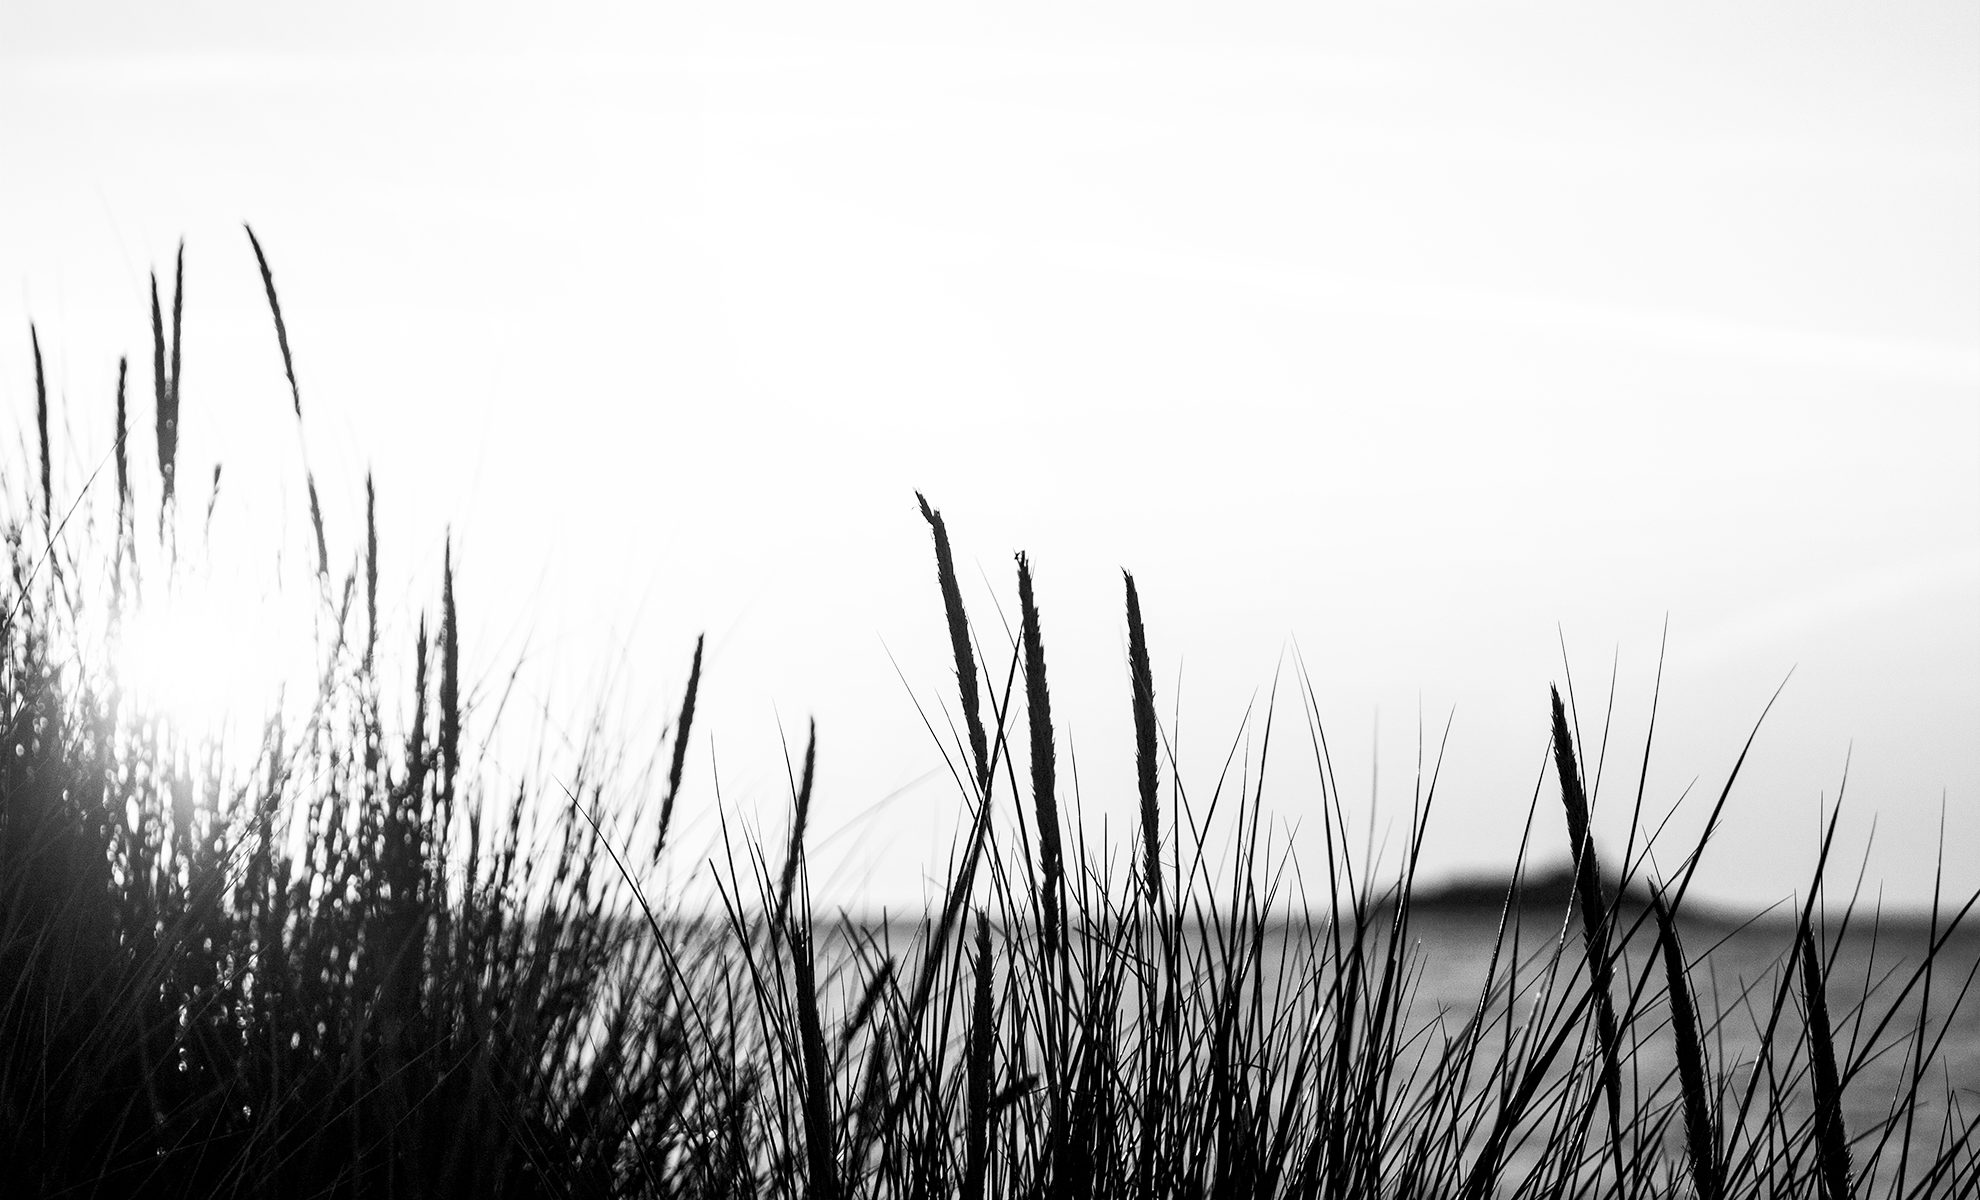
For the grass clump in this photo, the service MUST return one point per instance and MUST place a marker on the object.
(360, 960)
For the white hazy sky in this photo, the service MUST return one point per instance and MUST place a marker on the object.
(1404, 333)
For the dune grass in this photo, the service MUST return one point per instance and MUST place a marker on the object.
(365, 963)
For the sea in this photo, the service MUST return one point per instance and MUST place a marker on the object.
(1883, 1006)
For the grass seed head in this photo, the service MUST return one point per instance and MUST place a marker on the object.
(1594, 912)
(679, 764)
(959, 645)
(1044, 767)
(1701, 1134)
(1147, 773)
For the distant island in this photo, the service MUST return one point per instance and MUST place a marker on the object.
(1547, 891)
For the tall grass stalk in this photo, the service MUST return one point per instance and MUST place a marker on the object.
(41, 437)
(1594, 911)
(982, 1044)
(295, 396)
(965, 657)
(1701, 1133)
(682, 726)
(1146, 769)
(800, 817)
(1044, 767)
(165, 382)
(963, 877)
(823, 1181)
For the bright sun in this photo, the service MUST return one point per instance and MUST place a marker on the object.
(210, 659)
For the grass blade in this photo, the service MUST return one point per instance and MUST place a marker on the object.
(1831, 1137)
(275, 310)
(820, 1154)
(982, 1035)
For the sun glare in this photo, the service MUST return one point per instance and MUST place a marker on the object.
(210, 660)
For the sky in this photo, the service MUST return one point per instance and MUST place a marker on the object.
(1392, 349)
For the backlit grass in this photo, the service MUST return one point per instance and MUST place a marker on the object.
(353, 960)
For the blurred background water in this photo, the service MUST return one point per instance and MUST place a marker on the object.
(1875, 994)
(1736, 973)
